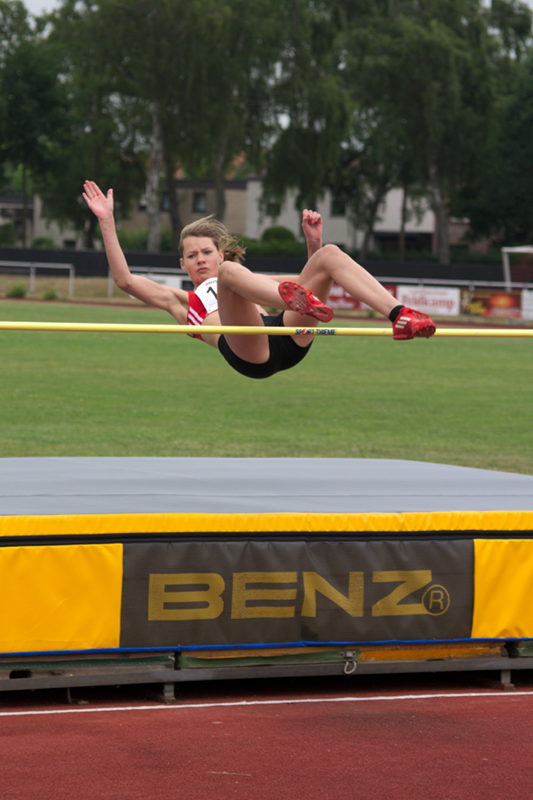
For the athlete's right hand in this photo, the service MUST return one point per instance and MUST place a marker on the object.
(100, 204)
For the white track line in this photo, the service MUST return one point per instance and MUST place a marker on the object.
(287, 702)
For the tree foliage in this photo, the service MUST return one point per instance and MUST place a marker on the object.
(311, 103)
(32, 115)
(499, 202)
(357, 96)
(423, 70)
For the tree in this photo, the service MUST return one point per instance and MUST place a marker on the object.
(193, 73)
(369, 169)
(425, 70)
(500, 203)
(34, 111)
(512, 20)
(98, 139)
(14, 30)
(152, 87)
(15, 27)
(145, 45)
(311, 104)
(232, 70)
(153, 185)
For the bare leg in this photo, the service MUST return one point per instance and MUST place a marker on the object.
(242, 289)
(330, 264)
(249, 285)
(236, 309)
(239, 292)
(239, 289)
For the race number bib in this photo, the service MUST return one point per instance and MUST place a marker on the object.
(207, 292)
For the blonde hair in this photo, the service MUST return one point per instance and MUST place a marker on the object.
(218, 233)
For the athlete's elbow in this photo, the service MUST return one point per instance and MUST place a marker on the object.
(123, 282)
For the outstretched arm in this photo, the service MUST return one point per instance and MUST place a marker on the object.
(172, 300)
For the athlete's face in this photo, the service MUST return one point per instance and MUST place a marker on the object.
(201, 258)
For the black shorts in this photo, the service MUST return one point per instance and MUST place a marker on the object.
(284, 353)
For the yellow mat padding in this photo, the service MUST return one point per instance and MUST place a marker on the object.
(64, 597)
(503, 582)
(408, 522)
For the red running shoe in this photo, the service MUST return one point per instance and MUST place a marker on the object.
(303, 301)
(410, 323)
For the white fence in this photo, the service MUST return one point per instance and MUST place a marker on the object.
(33, 266)
(166, 276)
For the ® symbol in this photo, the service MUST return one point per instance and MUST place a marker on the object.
(436, 600)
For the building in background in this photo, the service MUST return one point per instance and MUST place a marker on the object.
(12, 215)
(246, 216)
(339, 229)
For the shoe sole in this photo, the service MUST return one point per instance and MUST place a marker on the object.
(424, 332)
(302, 301)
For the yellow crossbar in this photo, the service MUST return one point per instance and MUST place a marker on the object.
(104, 327)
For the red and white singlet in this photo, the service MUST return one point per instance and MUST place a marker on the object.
(202, 301)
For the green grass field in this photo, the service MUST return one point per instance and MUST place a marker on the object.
(456, 401)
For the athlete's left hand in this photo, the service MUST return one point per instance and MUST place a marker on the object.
(312, 228)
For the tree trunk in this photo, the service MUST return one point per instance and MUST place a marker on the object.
(403, 220)
(372, 211)
(153, 201)
(365, 243)
(24, 238)
(218, 178)
(173, 202)
(89, 232)
(440, 209)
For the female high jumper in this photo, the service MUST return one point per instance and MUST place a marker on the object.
(227, 293)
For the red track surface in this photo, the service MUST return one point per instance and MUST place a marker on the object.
(407, 739)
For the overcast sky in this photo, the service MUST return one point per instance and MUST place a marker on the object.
(38, 6)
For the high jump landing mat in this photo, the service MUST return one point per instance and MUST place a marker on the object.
(129, 570)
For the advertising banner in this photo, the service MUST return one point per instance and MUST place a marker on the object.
(244, 592)
(339, 299)
(430, 300)
(491, 303)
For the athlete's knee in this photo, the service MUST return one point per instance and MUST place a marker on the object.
(325, 254)
(226, 268)
(329, 251)
(227, 272)
(325, 259)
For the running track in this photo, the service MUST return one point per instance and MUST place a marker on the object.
(393, 738)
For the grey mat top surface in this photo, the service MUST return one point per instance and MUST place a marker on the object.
(36, 486)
